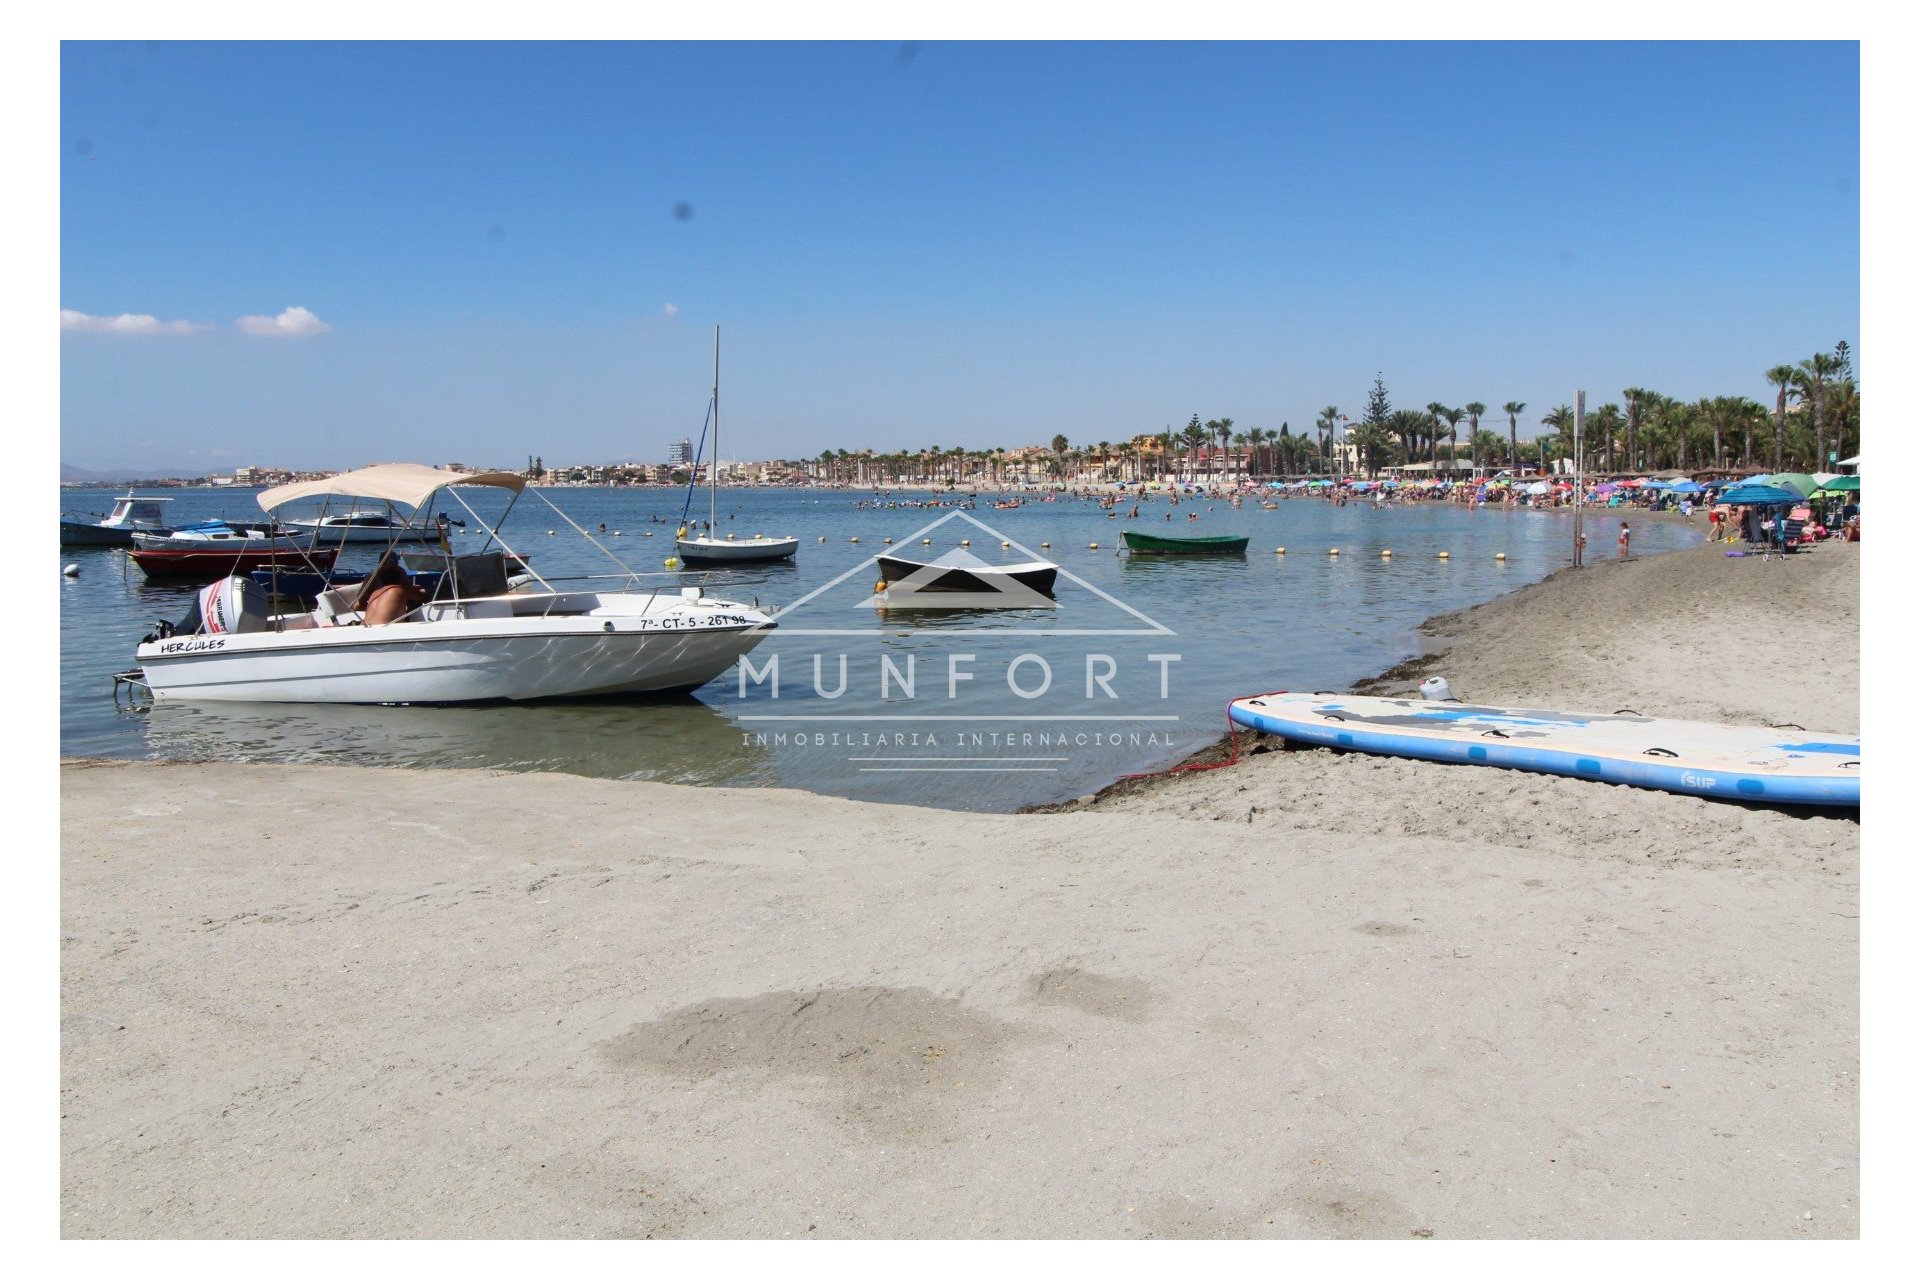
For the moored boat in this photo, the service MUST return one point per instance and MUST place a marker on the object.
(1156, 544)
(372, 527)
(479, 636)
(959, 574)
(695, 547)
(206, 563)
(130, 515)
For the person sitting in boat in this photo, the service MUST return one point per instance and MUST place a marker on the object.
(388, 594)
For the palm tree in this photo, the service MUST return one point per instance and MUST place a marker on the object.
(1781, 376)
(1453, 417)
(1330, 419)
(1374, 443)
(1560, 418)
(1474, 410)
(1223, 427)
(1194, 435)
(1513, 409)
(1636, 405)
(1813, 375)
(1435, 412)
(1485, 444)
(1410, 427)
(1606, 422)
(1256, 436)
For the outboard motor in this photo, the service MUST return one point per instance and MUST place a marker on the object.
(231, 605)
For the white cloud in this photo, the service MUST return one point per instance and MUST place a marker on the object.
(294, 322)
(669, 311)
(81, 322)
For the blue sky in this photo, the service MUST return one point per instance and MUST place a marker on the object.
(505, 249)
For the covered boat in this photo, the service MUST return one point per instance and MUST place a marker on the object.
(477, 636)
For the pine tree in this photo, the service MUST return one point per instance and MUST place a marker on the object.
(1378, 406)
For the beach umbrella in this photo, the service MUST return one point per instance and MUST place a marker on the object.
(1750, 494)
(1798, 481)
(1537, 488)
(1686, 486)
(1842, 484)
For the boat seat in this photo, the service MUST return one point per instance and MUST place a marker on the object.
(481, 574)
(334, 606)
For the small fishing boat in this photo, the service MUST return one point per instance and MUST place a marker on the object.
(1157, 544)
(960, 579)
(130, 515)
(481, 635)
(694, 546)
(206, 563)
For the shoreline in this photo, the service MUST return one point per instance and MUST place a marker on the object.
(1402, 679)
(1312, 996)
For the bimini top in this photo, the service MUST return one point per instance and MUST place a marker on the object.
(407, 483)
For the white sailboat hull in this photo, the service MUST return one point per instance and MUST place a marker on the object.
(501, 649)
(735, 550)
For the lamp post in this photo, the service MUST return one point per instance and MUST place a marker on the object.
(1579, 490)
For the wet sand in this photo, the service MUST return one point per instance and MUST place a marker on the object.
(1311, 995)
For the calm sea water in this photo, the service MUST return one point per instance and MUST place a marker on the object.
(966, 710)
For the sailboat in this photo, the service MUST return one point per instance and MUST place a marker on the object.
(696, 547)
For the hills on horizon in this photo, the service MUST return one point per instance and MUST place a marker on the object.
(128, 475)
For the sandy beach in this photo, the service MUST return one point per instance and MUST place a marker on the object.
(1308, 996)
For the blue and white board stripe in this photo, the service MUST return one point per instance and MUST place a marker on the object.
(1718, 761)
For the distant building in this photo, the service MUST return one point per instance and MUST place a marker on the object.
(680, 453)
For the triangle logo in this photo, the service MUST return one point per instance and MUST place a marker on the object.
(959, 580)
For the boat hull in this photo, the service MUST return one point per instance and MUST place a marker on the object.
(220, 562)
(327, 535)
(730, 551)
(894, 571)
(74, 533)
(1152, 544)
(460, 660)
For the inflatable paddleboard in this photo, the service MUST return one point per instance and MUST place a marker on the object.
(1730, 762)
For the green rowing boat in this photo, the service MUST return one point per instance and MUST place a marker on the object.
(1154, 544)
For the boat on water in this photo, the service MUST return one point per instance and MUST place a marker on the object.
(478, 636)
(375, 527)
(291, 582)
(959, 579)
(217, 559)
(221, 535)
(704, 546)
(130, 515)
(1158, 544)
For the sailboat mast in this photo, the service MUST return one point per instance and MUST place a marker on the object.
(713, 467)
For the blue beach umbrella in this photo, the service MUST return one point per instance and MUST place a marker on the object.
(1759, 495)
(1685, 486)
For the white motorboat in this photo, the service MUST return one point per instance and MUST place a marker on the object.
(479, 638)
(218, 535)
(707, 547)
(130, 515)
(376, 527)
